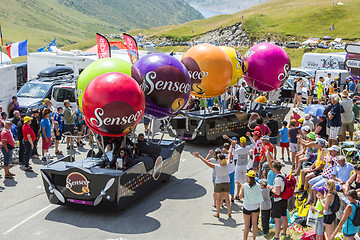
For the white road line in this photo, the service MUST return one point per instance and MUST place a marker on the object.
(26, 219)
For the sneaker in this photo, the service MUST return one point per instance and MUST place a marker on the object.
(282, 159)
(274, 238)
(262, 233)
(35, 156)
(283, 235)
(288, 159)
(302, 197)
(27, 169)
(299, 191)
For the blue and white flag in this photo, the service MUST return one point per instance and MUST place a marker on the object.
(48, 48)
(17, 49)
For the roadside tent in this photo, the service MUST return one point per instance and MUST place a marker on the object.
(338, 40)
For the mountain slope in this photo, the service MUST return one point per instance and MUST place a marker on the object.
(299, 18)
(75, 20)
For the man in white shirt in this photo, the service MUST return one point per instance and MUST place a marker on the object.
(243, 93)
(327, 81)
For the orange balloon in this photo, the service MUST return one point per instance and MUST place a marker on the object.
(210, 70)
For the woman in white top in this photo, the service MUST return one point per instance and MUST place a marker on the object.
(222, 180)
(251, 192)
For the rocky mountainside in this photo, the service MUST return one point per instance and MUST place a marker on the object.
(213, 7)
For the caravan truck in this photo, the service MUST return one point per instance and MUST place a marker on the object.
(7, 85)
(324, 60)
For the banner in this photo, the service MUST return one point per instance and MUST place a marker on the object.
(17, 49)
(1, 37)
(131, 47)
(48, 48)
(103, 46)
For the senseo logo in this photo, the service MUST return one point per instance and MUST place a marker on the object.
(283, 76)
(77, 183)
(198, 75)
(161, 85)
(157, 168)
(98, 121)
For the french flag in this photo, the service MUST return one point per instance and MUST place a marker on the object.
(17, 49)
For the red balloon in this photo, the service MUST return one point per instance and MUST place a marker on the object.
(113, 104)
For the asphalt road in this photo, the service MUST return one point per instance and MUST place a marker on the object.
(178, 209)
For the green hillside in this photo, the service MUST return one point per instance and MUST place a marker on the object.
(299, 18)
(73, 21)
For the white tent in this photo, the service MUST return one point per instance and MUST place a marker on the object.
(4, 59)
(338, 40)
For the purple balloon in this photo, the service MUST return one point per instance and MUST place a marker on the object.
(354, 72)
(267, 67)
(167, 84)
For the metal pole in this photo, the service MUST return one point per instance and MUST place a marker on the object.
(150, 124)
(165, 129)
(99, 145)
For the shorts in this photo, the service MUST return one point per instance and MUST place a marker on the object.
(329, 219)
(279, 208)
(58, 138)
(334, 132)
(7, 156)
(69, 128)
(79, 127)
(222, 187)
(240, 174)
(284, 145)
(318, 172)
(274, 140)
(293, 147)
(299, 94)
(256, 164)
(347, 127)
(319, 226)
(46, 144)
(318, 181)
(348, 235)
(246, 212)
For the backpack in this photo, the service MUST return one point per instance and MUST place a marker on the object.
(336, 204)
(290, 185)
(356, 219)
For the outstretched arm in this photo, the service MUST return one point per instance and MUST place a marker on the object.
(196, 154)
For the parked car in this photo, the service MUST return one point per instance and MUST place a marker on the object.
(32, 93)
(293, 44)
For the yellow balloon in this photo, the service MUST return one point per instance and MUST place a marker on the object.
(237, 64)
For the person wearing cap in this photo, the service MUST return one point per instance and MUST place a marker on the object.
(319, 225)
(295, 116)
(222, 179)
(265, 207)
(45, 133)
(352, 86)
(356, 110)
(7, 147)
(257, 150)
(308, 153)
(330, 158)
(314, 170)
(280, 205)
(29, 138)
(251, 193)
(347, 117)
(241, 153)
(308, 122)
(320, 89)
(273, 125)
(14, 105)
(334, 120)
(20, 138)
(35, 125)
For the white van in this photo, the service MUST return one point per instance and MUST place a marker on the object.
(324, 60)
(7, 85)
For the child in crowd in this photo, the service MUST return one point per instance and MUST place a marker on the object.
(319, 227)
(293, 131)
(265, 207)
(284, 140)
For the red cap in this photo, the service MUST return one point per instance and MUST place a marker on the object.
(257, 133)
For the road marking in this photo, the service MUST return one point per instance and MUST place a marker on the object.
(26, 219)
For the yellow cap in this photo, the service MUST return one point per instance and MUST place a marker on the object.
(301, 120)
(243, 139)
(251, 173)
(45, 100)
(26, 119)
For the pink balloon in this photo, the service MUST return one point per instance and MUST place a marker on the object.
(267, 67)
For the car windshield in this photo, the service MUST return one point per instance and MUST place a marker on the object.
(34, 90)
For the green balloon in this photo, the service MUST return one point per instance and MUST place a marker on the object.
(97, 68)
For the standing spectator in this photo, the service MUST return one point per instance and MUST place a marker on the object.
(327, 82)
(334, 120)
(29, 138)
(16, 118)
(284, 140)
(243, 93)
(251, 192)
(257, 150)
(69, 120)
(300, 83)
(352, 85)
(308, 122)
(273, 125)
(3, 119)
(293, 132)
(14, 105)
(20, 138)
(265, 207)
(7, 147)
(356, 109)
(225, 151)
(45, 133)
(58, 125)
(310, 90)
(336, 85)
(348, 228)
(320, 89)
(319, 226)
(295, 116)
(347, 117)
(279, 206)
(321, 128)
(35, 125)
(79, 126)
(261, 127)
(326, 202)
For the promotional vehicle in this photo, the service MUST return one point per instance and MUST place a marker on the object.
(323, 60)
(8, 85)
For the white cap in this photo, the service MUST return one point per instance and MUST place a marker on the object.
(334, 148)
(296, 110)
